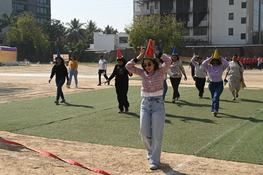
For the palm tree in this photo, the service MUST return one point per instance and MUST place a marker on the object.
(75, 33)
(7, 20)
(110, 30)
(91, 27)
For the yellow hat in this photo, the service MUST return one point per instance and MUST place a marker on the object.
(216, 56)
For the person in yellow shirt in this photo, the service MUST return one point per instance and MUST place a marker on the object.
(73, 71)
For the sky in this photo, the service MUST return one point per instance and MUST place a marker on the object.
(115, 13)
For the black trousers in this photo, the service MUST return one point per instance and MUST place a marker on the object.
(175, 84)
(200, 84)
(121, 91)
(104, 74)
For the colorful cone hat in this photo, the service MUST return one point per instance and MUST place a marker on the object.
(216, 56)
(175, 51)
(58, 53)
(119, 55)
(149, 51)
(157, 49)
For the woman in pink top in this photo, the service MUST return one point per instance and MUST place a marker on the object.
(215, 67)
(152, 113)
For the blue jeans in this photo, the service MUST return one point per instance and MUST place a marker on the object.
(73, 72)
(152, 118)
(60, 82)
(216, 89)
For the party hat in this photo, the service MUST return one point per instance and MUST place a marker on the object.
(215, 56)
(149, 51)
(175, 51)
(119, 55)
(157, 49)
(58, 53)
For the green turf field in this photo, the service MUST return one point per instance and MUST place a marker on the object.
(190, 128)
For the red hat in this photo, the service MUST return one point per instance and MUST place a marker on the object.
(149, 51)
(119, 55)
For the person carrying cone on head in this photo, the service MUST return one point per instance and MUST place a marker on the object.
(121, 82)
(152, 112)
(176, 71)
(215, 67)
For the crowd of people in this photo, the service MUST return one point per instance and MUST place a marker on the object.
(154, 68)
(249, 62)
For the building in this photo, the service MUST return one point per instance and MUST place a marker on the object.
(40, 8)
(108, 42)
(212, 22)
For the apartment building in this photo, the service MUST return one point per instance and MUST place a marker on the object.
(40, 8)
(211, 22)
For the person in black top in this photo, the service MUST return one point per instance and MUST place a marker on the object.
(61, 73)
(121, 82)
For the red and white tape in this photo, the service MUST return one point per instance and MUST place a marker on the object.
(52, 155)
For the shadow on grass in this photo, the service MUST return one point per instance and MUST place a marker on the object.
(10, 147)
(133, 114)
(186, 119)
(243, 118)
(75, 105)
(167, 169)
(180, 103)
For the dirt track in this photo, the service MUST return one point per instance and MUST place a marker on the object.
(32, 82)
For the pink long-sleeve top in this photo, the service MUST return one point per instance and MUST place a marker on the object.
(152, 83)
(215, 72)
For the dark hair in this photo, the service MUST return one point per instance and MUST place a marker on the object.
(62, 60)
(216, 60)
(101, 55)
(73, 57)
(123, 60)
(156, 65)
(176, 57)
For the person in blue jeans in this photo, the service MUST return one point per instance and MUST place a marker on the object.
(60, 70)
(215, 67)
(152, 112)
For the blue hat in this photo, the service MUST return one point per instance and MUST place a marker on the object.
(58, 53)
(156, 48)
(175, 51)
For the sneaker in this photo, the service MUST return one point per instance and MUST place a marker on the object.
(233, 98)
(126, 110)
(236, 95)
(98, 84)
(173, 100)
(149, 155)
(177, 98)
(68, 86)
(120, 111)
(215, 113)
(200, 97)
(63, 101)
(76, 86)
(153, 166)
(56, 102)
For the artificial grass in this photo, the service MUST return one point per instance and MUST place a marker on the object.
(190, 128)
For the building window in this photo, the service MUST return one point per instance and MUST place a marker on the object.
(156, 5)
(123, 40)
(42, 10)
(148, 5)
(244, 5)
(230, 31)
(231, 16)
(1, 42)
(200, 31)
(19, 7)
(231, 2)
(45, 2)
(243, 20)
(243, 36)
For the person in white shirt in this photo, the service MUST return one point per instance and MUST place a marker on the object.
(102, 69)
(200, 74)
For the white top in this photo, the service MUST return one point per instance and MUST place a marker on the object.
(102, 64)
(200, 71)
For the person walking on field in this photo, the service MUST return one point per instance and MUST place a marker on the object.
(73, 71)
(235, 76)
(121, 82)
(200, 74)
(61, 72)
(176, 70)
(102, 69)
(215, 67)
(152, 112)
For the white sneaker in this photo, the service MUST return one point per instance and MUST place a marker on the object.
(76, 86)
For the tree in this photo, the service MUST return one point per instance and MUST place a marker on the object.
(91, 27)
(6, 20)
(164, 29)
(75, 32)
(110, 30)
(27, 36)
(56, 33)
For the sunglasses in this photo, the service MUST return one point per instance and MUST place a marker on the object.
(147, 65)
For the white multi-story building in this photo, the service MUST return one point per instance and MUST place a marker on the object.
(211, 22)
